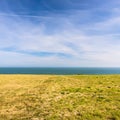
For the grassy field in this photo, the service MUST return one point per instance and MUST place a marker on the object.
(52, 97)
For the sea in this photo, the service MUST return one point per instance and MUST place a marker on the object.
(60, 70)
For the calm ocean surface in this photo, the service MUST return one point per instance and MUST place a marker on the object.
(60, 71)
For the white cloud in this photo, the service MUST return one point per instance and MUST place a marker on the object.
(86, 49)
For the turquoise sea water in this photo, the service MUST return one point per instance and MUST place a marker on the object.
(60, 71)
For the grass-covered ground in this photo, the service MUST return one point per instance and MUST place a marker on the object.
(51, 97)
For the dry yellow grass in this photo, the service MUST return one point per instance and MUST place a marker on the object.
(52, 97)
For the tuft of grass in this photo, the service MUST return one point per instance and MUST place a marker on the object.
(59, 97)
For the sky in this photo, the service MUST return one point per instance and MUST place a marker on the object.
(59, 33)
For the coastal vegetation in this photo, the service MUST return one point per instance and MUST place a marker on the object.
(59, 97)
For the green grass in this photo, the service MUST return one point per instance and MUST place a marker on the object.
(52, 97)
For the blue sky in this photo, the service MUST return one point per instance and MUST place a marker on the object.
(63, 33)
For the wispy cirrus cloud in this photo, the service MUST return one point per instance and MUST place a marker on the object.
(73, 37)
